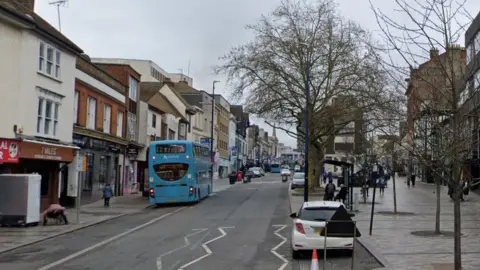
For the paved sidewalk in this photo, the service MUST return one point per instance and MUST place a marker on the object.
(392, 241)
(90, 214)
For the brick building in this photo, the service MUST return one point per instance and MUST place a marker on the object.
(99, 130)
(134, 169)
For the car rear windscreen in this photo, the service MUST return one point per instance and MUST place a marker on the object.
(171, 171)
(317, 213)
(170, 149)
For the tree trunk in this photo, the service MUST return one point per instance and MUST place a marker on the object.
(319, 166)
(437, 212)
(394, 193)
(457, 228)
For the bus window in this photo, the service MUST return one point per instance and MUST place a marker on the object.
(171, 171)
(170, 149)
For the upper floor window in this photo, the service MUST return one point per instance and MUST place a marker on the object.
(154, 120)
(133, 91)
(470, 52)
(120, 124)
(107, 118)
(91, 112)
(49, 60)
(48, 113)
(476, 44)
(132, 126)
(76, 102)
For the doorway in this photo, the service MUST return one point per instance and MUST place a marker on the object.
(64, 199)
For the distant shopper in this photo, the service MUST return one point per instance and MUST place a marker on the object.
(54, 211)
(381, 185)
(330, 191)
(107, 194)
(342, 194)
(466, 188)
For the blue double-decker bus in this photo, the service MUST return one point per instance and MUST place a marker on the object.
(275, 168)
(179, 171)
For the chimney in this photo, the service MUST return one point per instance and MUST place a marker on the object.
(433, 53)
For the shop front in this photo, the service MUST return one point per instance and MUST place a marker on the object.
(104, 160)
(133, 173)
(45, 158)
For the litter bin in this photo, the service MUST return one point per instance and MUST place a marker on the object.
(232, 178)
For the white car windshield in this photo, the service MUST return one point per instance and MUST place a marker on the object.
(317, 213)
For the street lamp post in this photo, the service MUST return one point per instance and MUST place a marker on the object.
(307, 140)
(211, 126)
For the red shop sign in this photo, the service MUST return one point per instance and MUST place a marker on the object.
(9, 151)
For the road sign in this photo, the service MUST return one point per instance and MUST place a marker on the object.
(81, 163)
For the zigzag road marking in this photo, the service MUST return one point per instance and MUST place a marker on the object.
(187, 243)
(207, 249)
(274, 250)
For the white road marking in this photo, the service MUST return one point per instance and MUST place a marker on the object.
(187, 243)
(274, 250)
(204, 245)
(107, 241)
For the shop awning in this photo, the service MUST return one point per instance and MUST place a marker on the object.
(44, 150)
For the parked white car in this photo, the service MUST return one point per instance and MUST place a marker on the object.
(309, 224)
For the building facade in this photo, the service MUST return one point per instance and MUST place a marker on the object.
(232, 144)
(37, 70)
(201, 101)
(134, 165)
(99, 130)
(428, 102)
(469, 98)
(222, 123)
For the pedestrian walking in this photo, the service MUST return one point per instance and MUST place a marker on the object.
(330, 191)
(413, 178)
(342, 194)
(466, 189)
(107, 194)
(381, 185)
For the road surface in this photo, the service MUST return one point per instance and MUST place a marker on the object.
(246, 226)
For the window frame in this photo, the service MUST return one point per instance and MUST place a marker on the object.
(76, 105)
(45, 63)
(133, 88)
(45, 97)
(107, 120)
(88, 123)
(121, 116)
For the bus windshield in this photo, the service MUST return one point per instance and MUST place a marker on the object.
(170, 171)
(170, 149)
(275, 166)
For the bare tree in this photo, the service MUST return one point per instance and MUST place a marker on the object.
(300, 45)
(423, 46)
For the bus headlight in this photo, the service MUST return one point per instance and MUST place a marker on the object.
(152, 193)
(191, 190)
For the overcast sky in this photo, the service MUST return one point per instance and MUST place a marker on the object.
(173, 33)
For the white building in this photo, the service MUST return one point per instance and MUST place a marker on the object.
(177, 125)
(37, 71)
(232, 144)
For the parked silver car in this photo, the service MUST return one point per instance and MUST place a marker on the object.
(298, 180)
